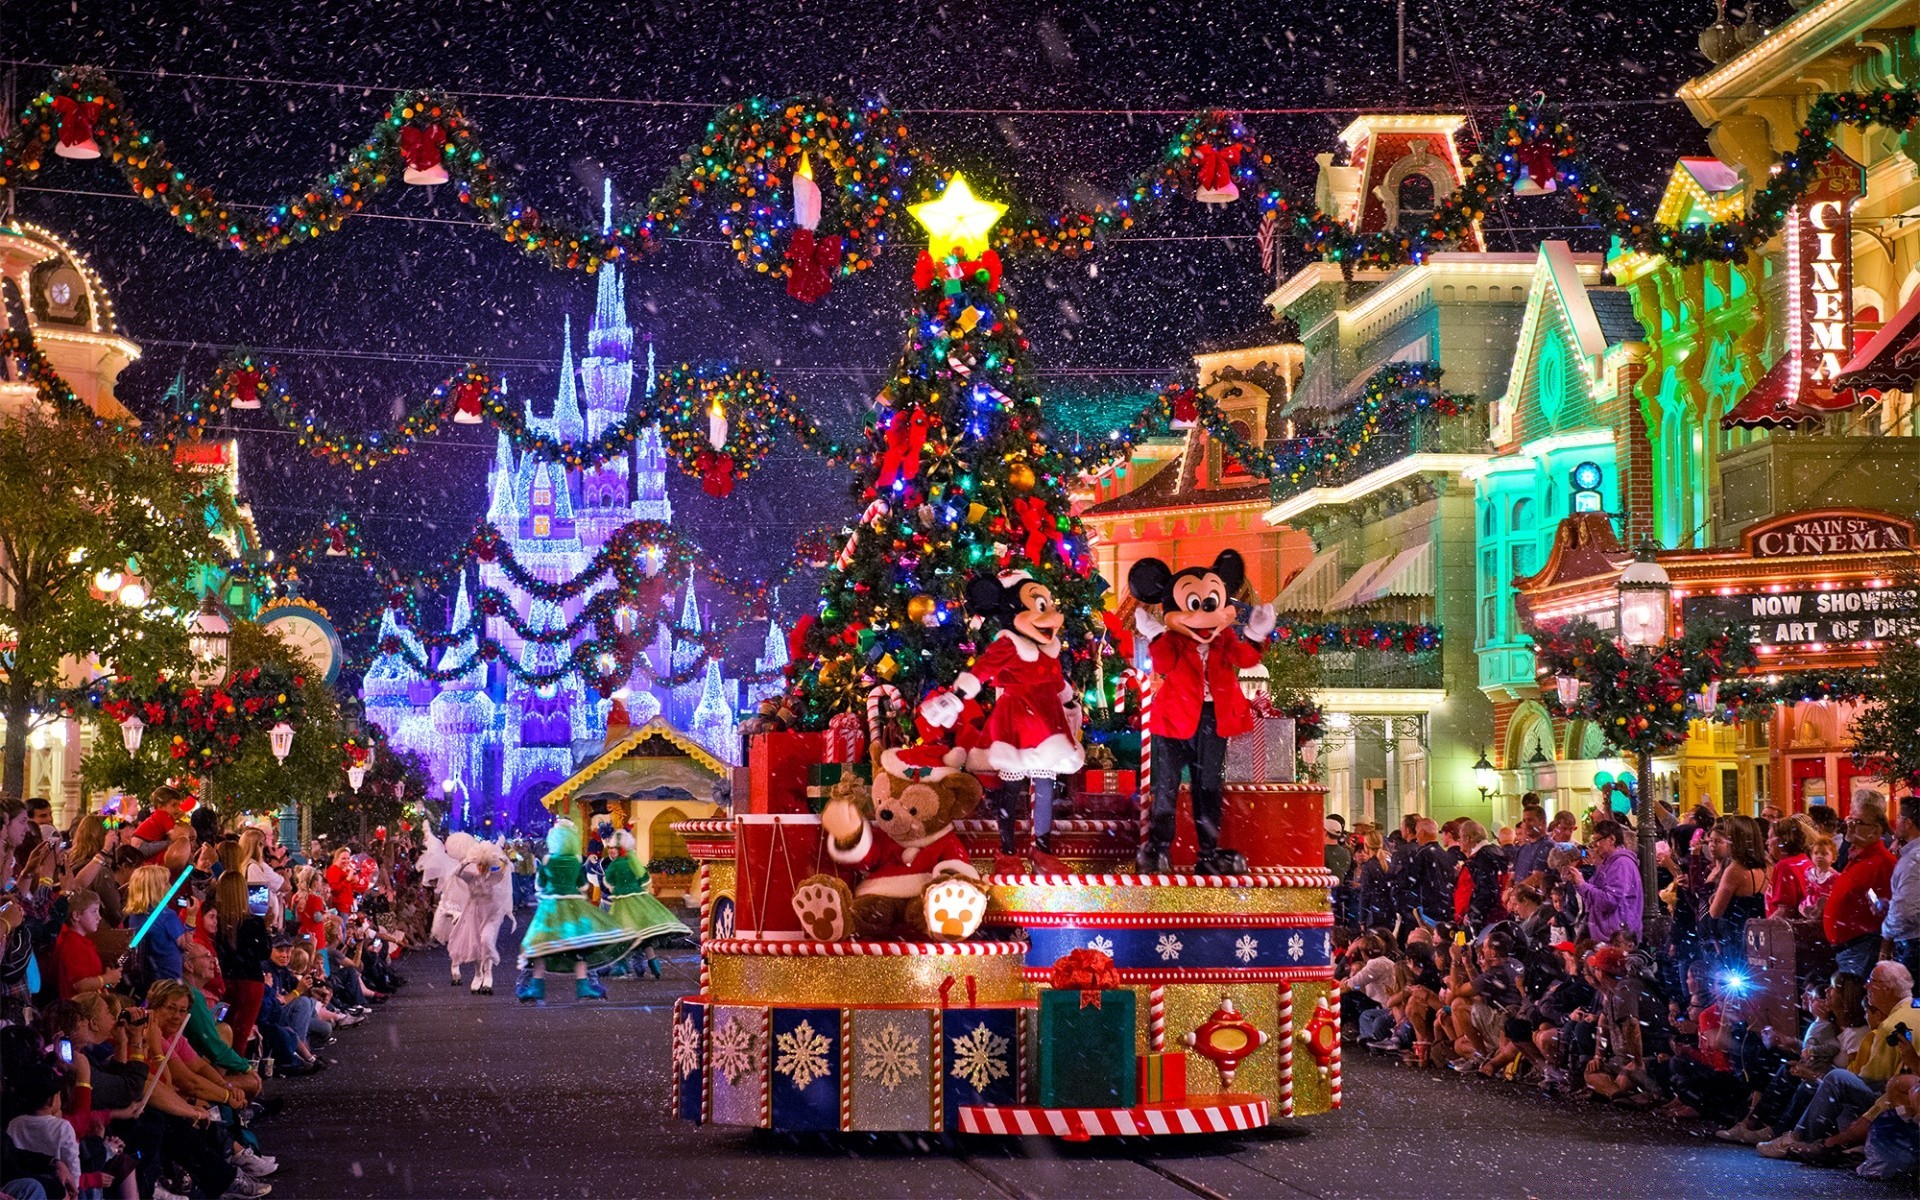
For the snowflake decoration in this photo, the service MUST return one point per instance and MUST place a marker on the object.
(891, 1056)
(686, 1048)
(1296, 946)
(1103, 944)
(723, 919)
(803, 1054)
(980, 1057)
(1246, 949)
(1168, 948)
(733, 1048)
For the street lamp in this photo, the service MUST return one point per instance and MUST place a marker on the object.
(1484, 776)
(208, 638)
(1646, 615)
(356, 775)
(280, 740)
(131, 731)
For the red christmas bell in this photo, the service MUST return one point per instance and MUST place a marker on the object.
(466, 402)
(76, 127)
(246, 389)
(421, 148)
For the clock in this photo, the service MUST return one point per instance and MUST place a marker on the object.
(308, 632)
(1586, 476)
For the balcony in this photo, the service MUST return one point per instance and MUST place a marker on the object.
(1376, 670)
(1465, 433)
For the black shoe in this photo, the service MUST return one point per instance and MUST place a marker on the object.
(1152, 861)
(1221, 861)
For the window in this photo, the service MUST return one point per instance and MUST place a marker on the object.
(542, 526)
(1523, 515)
(1489, 521)
(542, 497)
(1523, 558)
(1490, 569)
(1416, 201)
(1552, 382)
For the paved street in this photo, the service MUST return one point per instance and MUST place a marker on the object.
(446, 1094)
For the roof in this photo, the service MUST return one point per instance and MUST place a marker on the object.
(634, 739)
(1613, 308)
(1891, 358)
(1164, 491)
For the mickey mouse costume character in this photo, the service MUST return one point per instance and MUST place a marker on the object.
(1198, 704)
(1033, 732)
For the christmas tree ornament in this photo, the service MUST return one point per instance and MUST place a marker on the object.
(1020, 477)
(921, 608)
(957, 221)
(422, 150)
(76, 119)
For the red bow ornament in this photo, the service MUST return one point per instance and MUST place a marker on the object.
(421, 148)
(1216, 175)
(1538, 175)
(466, 402)
(1186, 408)
(716, 472)
(812, 263)
(1036, 525)
(246, 389)
(76, 127)
(336, 542)
(906, 438)
(1088, 972)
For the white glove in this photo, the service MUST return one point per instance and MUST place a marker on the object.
(1150, 626)
(1260, 622)
(942, 708)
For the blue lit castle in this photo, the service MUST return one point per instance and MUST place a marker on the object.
(502, 742)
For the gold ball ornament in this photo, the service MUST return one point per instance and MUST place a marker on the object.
(920, 608)
(1020, 477)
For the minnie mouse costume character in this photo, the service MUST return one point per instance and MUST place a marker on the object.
(1033, 732)
(1198, 704)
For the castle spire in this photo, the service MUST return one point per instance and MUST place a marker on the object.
(567, 424)
(690, 610)
(501, 511)
(606, 207)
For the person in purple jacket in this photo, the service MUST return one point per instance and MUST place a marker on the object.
(1612, 898)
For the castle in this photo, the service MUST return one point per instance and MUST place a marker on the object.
(496, 742)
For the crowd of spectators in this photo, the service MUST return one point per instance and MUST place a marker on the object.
(160, 977)
(1531, 956)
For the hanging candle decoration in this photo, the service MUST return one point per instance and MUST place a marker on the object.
(717, 425)
(806, 196)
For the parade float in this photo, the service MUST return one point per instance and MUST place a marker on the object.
(941, 901)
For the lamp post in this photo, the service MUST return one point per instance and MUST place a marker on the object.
(208, 639)
(1485, 778)
(1646, 617)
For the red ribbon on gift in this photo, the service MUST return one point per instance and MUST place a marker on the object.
(846, 739)
(1263, 706)
(1088, 972)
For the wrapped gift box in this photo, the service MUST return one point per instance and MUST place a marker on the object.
(1087, 1052)
(1163, 1078)
(1264, 755)
(777, 772)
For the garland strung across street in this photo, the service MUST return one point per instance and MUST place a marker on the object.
(807, 189)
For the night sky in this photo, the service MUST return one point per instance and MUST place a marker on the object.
(367, 320)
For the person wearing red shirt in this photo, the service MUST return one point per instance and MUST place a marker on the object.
(76, 964)
(1852, 918)
(342, 881)
(1787, 880)
(153, 834)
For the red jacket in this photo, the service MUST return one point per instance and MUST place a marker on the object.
(1178, 695)
(1849, 913)
(902, 871)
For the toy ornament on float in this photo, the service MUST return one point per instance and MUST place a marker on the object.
(877, 952)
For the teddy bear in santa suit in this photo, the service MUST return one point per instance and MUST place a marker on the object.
(1033, 732)
(1197, 702)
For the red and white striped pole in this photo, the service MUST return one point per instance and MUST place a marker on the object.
(1157, 1018)
(1146, 757)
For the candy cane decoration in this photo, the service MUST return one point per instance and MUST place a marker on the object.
(1333, 1067)
(937, 1072)
(1146, 757)
(702, 882)
(966, 372)
(1284, 1043)
(766, 1068)
(846, 1068)
(1157, 1018)
(878, 700)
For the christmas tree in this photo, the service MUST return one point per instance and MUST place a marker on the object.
(958, 480)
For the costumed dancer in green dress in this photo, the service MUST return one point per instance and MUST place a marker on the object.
(635, 910)
(566, 928)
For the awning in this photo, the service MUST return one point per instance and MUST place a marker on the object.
(1777, 400)
(1409, 574)
(1312, 587)
(1359, 579)
(1891, 358)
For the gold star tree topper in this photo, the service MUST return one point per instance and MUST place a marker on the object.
(957, 220)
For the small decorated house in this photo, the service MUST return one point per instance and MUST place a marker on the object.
(645, 779)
